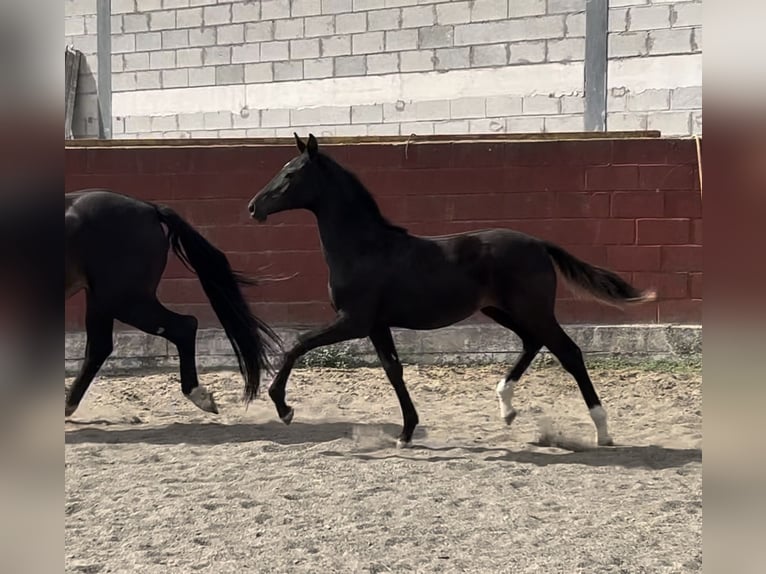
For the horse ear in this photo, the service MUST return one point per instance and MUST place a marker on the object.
(299, 143)
(313, 146)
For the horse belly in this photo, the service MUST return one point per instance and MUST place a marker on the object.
(432, 305)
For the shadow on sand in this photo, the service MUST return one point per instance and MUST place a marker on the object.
(652, 457)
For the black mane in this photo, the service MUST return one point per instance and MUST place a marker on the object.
(359, 194)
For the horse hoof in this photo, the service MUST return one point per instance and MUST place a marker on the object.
(288, 418)
(401, 443)
(509, 417)
(69, 410)
(606, 441)
(203, 399)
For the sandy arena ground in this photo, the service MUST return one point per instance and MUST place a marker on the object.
(154, 485)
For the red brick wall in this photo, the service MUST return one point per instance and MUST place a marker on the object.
(632, 205)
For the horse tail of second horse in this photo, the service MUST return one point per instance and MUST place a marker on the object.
(601, 284)
(252, 339)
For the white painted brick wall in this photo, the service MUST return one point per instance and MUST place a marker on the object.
(202, 44)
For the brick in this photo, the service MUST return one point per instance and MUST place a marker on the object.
(621, 3)
(367, 114)
(136, 61)
(498, 106)
(686, 98)
(217, 120)
(560, 124)
(416, 128)
(523, 125)
(148, 80)
(303, 49)
(633, 258)
(628, 44)
(329, 115)
(452, 127)
(537, 105)
(382, 63)
(671, 123)
(686, 14)
(482, 33)
(368, 43)
(173, 3)
(173, 39)
(202, 37)
(246, 54)
(288, 29)
(667, 285)
(246, 118)
(575, 24)
(401, 40)
(319, 26)
(467, 108)
(491, 55)
(306, 8)
(637, 204)
(590, 205)
(336, 6)
(626, 122)
(304, 117)
(566, 50)
(527, 52)
(435, 37)
(572, 104)
(680, 311)
(232, 34)
(162, 60)
(418, 17)
(216, 55)
(74, 26)
(649, 18)
(453, 13)
(612, 178)
(352, 23)
(146, 41)
(521, 8)
(674, 41)
(318, 68)
(681, 258)
(118, 7)
(565, 6)
(217, 15)
(683, 204)
(162, 20)
(485, 126)
(189, 57)
(124, 82)
(175, 78)
(617, 100)
(649, 100)
(122, 43)
(618, 20)
(417, 61)
(138, 124)
(274, 51)
(80, 7)
(662, 231)
(164, 123)
(350, 66)
(259, 73)
(232, 74)
(483, 10)
(146, 6)
(191, 121)
(695, 285)
(288, 71)
(201, 76)
(118, 63)
(245, 12)
(364, 5)
(668, 177)
(383, 129)
(452, 58)
(336, 46)
(135, 23)
(544, 27)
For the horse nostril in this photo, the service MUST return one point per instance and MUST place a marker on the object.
(251, 207)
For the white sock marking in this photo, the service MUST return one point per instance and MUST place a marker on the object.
(598, 414)
(203, 398)
(505, 396)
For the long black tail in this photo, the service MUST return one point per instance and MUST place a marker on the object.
(252, 339)
(602, 284)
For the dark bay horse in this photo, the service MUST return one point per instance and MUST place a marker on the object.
(117, 249)
(382, 277)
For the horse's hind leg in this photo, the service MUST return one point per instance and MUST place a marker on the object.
(570, 357)
(384, 345)
(530, 347)
(98, 327)
(153, 318)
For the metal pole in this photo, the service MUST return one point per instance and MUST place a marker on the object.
(596, 55)
(104, 52)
